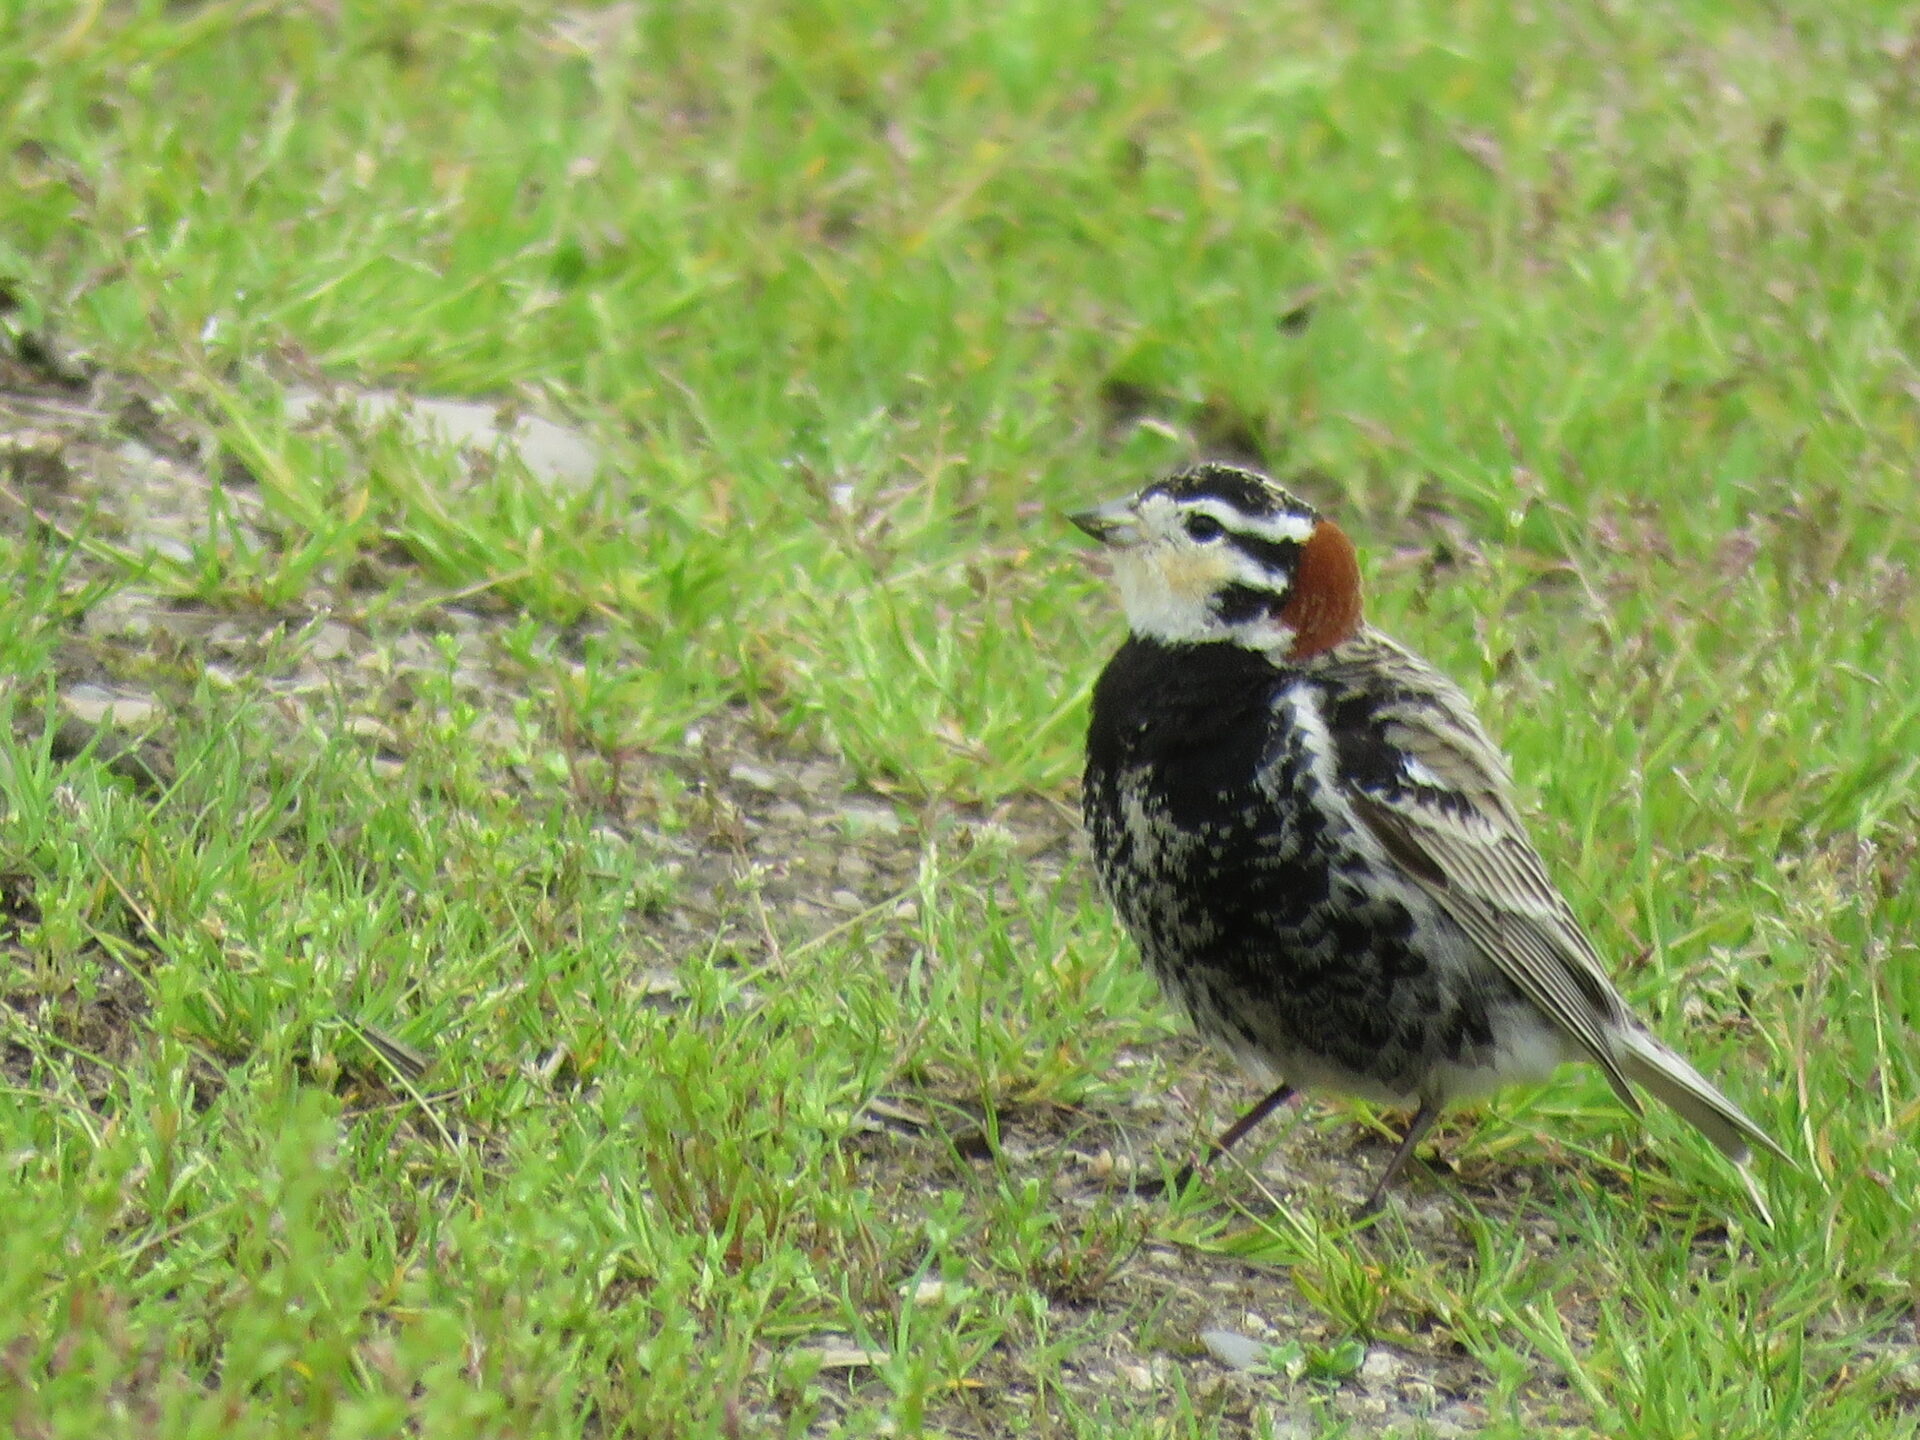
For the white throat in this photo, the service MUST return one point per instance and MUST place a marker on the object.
(1159, 607)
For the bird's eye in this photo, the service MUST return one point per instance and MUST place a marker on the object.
(1204, 527)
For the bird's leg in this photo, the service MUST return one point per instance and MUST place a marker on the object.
(1423, 1119)
(1237, 1131)
(1229, 1137)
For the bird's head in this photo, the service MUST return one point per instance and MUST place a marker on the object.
(1216, 553)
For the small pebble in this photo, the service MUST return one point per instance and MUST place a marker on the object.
(1234, 1350)
(867, 818)
(97, 705)
(752, 776)
(1380, 1367)
(330, 641)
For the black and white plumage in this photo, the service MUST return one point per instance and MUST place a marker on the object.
(1314, 842)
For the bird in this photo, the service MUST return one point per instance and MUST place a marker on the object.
(1315, 844)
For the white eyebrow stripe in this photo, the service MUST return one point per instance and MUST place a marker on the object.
(1284, 526)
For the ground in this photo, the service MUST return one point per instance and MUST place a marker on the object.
(540, 884)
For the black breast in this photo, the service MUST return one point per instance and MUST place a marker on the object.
(1196, 718)
(1247, 896)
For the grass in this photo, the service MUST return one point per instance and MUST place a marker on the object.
(711, 826)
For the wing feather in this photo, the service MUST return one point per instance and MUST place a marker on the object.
(1537, 949)
(1421, 776)
(1463, 843)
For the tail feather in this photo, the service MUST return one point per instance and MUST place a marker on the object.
(1673, 1081)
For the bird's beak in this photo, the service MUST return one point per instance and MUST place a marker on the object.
(1111, 524)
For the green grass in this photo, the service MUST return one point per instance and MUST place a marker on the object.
(1595, 325)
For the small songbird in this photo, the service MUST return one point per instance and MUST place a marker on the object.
(1314, 843)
